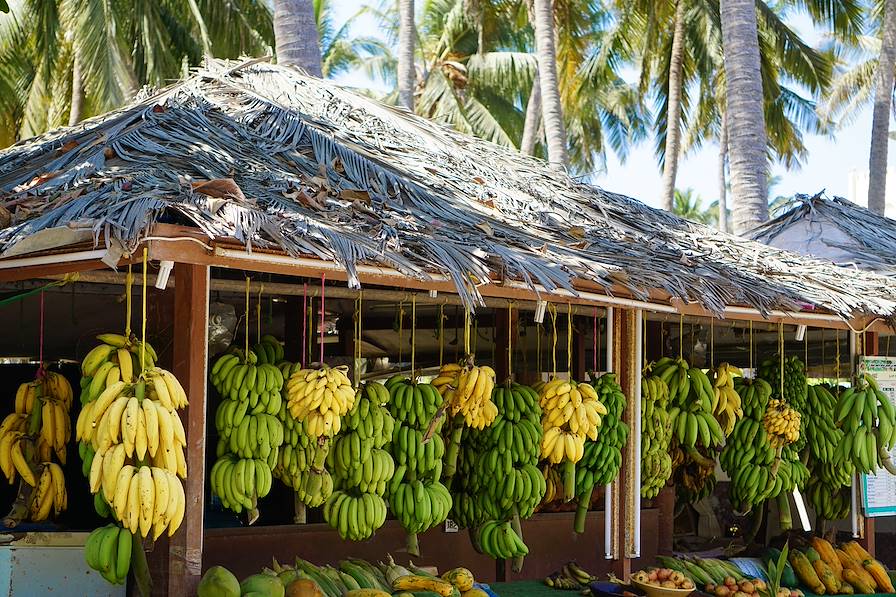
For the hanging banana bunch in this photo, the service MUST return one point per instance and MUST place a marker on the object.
(726, 404)
(868, 420)
(830, 472)
(656, 436)
(787, 378)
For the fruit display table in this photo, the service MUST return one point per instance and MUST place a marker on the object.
(524, 588)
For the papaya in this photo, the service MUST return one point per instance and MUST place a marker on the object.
(856, 566)
(416, 582)
(218, 582)
(858, 552)
(806, 572)
(264, 584)
(811, 554)
(460, 578)
(857, 582)
(474, 593)
(826, 551)
(826, 576)
(880, 575)
(846, 588)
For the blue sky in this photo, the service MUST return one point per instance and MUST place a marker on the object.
(827, 166)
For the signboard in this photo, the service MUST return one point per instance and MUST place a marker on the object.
(879, 490)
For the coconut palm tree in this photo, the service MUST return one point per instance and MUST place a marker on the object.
(61, 60)
(549, 85)
(339, 51)
(295, 29)
(689, 205)
(747, 138)
(883, 95)
(407, 71)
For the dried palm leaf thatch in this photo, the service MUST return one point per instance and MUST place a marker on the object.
(277, 159)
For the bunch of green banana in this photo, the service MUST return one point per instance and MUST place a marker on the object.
(691, 396)
(269, 351)
(756, 469)
(249, 425)
(416, 496)
(108, 551)
(241, 378)
(868, 420)
(239, 482)
(498, 465)
(361, 468)
(656, 435)
(499, 540)
(795, 386)
(602, 457)
(828, 473)
(822, 434)
(829, 502)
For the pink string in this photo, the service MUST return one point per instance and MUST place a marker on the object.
(304, 323)
(595, 339)
(323, 282)
(40, 367)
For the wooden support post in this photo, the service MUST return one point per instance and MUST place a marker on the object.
(626, 367)
(190, 364)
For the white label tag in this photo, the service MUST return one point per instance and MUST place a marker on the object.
(451, 526)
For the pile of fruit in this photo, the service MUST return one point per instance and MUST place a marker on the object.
(249, 431)
(795, 387)
(349, 578)
(869, 421)
(498, 473)
(361, 467)
(134, 440)
(571, 577)
(665, 578)
(707, 572)
(603, 457)
(656, 435)
(848, 570)
(32, 436)
(417, 497)
(571, 413)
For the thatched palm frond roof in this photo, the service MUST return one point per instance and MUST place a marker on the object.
(273, 158)
(833, 229)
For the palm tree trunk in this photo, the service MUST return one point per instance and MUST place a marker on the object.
(723, 183)
(747, 139)
(673, 114)
(533, 119)
(552, 110)
(880, 124)
(295, 31)
(74, 113)
(407, 73)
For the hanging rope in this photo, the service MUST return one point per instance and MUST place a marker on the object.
(594, 338)
(69, 278)
(781, 351)
(569, 339)
(247, 317)
(467, 333)
(538, 332)
(40, 353)
(309, 317)
(837, 361)
(128, 284)
(509, 340)
(644, 343)
(258, 313)
(681, 336)
(441, 334)
(712, 342)
(553, 311)
(475, 338)
(400, 331)
(413, 335)
(357, 332)
(323, 314)
(143, 330)
(752, 373)
(806, 349)
(824, 361)
(304, 321)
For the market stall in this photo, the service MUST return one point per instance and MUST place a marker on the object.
(318, 228)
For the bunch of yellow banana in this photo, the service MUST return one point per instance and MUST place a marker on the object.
(319, 398)
(726, 402)
(49, 493)
(141, 425)
(553, 485)
(570, 413)
(143, 498)
(467, 391)
(782, 423)
(116, 358)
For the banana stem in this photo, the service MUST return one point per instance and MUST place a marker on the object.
(569, 480)
(140, 568)
(517, 563)
(758, 516)
(699, 458)
(301, 513)
(320, 455)
(474, 539)
(413, 547)
(453, 449)
(582, 510)
(784, 516)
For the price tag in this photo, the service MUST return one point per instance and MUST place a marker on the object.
(451, 526)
